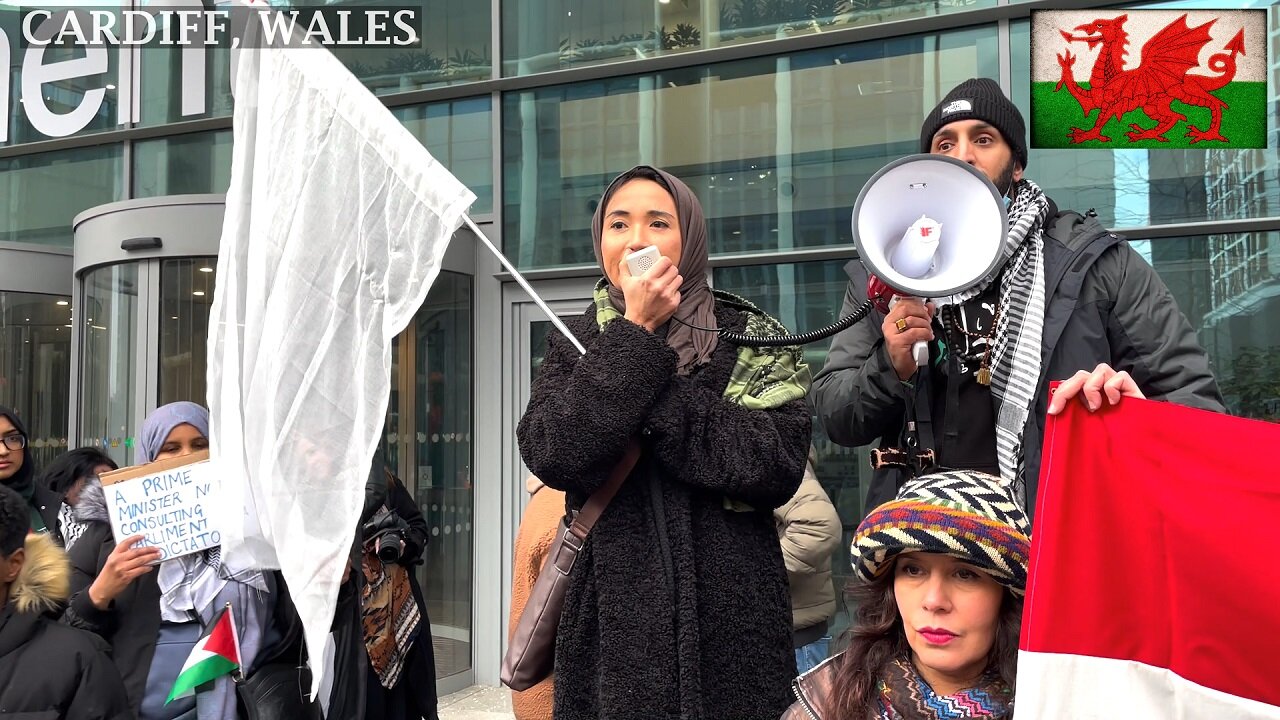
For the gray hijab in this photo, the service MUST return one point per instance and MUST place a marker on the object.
(697, 305)
(158, 425)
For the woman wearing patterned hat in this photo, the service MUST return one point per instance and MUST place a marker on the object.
(943, 571)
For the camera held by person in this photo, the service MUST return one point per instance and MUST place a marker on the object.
(384, 534)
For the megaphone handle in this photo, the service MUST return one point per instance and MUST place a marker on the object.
(920, 351)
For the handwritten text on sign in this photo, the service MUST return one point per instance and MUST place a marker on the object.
(170, 507)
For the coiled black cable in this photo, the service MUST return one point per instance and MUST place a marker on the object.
(777, 340)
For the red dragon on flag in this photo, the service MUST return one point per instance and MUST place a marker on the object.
(1162, 78)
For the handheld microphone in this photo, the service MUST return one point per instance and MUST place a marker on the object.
(641, 260)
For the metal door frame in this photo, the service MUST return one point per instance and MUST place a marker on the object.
(566, 298)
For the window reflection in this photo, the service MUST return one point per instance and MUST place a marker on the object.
(460, 135)
(427, 441)
(41, 194)
(775, 148)
(1228, 286)
(541, 37)
(539, 330)
(456, 42)
(180, 83)
(186, 296)
(110, 341)
(182, 164)
(443, 452)
(35, 367)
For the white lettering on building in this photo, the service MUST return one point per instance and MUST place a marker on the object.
(36, 73)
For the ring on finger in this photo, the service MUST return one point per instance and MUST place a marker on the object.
(901, 324)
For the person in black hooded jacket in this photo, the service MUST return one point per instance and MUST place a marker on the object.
(401, 678)
(47, 670)
(18, 471)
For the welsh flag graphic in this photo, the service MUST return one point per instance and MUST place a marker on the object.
(1152, 590)
(215, 654)
(1149, 79)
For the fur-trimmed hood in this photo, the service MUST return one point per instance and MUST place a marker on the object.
(45, 581)
(92, 505)
(48, 668)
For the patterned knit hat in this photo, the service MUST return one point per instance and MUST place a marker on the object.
(980, 99)
(967, 515)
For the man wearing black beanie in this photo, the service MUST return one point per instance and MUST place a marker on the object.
(972, 108)
(1069, 301)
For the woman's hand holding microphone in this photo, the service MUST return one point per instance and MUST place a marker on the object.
(652, 297)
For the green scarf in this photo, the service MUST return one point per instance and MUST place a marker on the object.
(763, 378)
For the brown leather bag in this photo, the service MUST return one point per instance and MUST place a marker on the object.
(531, 653)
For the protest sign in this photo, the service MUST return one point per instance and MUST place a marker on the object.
(169, 502)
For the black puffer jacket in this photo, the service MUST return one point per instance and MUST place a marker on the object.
(1105, 304)
(679, 605)
(49, 671)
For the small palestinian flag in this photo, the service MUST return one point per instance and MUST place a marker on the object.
(216, 653)
(1112, 79)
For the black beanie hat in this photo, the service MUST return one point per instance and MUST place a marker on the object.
(980, 99)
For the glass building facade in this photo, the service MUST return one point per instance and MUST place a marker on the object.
(775, 112)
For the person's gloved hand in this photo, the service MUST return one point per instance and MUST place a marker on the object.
(412, 551)
(399, 522)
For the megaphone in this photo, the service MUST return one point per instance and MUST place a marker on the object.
(928, 226)
(925, 226)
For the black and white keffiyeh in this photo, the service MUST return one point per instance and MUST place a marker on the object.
(70, 527)
(190, 583)
(1015, 356)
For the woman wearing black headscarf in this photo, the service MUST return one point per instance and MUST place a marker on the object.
(18, 471)
(678, 607)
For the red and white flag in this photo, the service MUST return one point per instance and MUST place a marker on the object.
(1153, 589)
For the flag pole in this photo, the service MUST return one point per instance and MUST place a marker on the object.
(237, 675)
(555, 319)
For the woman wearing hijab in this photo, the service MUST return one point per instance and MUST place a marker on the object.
(678, 607)
(18, 471)
(153, 619)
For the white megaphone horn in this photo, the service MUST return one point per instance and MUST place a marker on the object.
(925, 226)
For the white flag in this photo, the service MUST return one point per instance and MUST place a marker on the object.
(337, 221)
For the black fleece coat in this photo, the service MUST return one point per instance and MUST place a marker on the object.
(678, 607)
